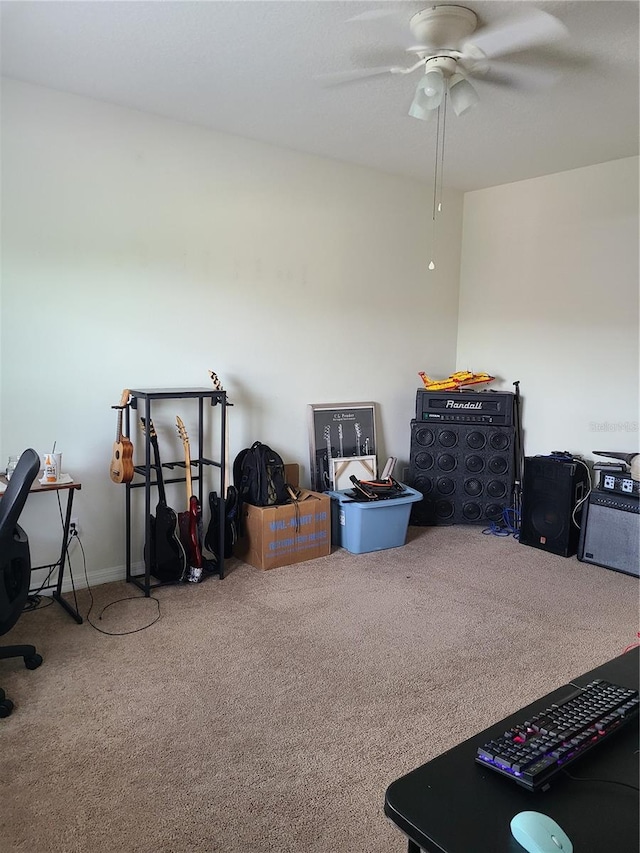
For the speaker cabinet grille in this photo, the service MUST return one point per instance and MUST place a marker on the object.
(551, 490)
(610, 533)
(465, 472)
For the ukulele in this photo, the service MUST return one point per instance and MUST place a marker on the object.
(167, 556)
(121, 468)
(190, 521)
(230, 502)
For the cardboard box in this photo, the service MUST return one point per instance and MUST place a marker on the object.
(276, 536)
(292, 474)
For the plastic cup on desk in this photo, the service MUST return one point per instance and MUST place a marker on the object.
(11, 466)
(49, 473)
(58, 463)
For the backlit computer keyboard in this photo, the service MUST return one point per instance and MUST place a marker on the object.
(535, 751)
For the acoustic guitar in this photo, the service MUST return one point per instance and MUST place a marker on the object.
(121, 468)
(167, 557)
(190, 521)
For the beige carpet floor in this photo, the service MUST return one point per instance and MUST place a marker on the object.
(269, 711)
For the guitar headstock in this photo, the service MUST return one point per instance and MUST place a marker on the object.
(152, 431)
(216, 382)
(124, 400)
(182, 431)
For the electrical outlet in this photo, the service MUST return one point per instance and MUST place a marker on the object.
(74, 526)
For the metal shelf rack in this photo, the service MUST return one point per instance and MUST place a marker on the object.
(143, 399)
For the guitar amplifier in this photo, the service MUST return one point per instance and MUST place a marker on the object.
(610, 532)
(470, 407)
(621, 484)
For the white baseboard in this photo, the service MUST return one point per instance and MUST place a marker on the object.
(96, 577)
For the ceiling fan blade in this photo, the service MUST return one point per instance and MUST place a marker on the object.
(390, 26)
(526, 77)
(527, 30)
(372, 15)
(335, 78)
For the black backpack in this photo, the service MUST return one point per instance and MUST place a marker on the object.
(258, 475)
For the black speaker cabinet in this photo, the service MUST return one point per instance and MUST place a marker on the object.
(551, 489)
(464, 472)
(610, 532)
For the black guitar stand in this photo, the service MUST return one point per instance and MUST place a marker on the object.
(518, 454)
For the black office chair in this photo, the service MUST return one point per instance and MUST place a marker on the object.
(15, 563)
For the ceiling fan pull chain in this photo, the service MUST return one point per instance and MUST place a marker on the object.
(432, 265)
(435, 168)
(444, 123)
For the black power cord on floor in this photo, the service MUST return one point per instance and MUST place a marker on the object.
(127, 598)
(37, 602)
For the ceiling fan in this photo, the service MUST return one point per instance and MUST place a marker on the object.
(448, 47)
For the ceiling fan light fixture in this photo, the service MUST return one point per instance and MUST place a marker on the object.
(432, 86)
(417, 110)
(429, 94)
(462, 94)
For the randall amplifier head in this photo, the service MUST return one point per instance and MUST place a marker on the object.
(610, 532)
(465, 407)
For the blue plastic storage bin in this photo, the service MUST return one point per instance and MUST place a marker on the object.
(361, 526)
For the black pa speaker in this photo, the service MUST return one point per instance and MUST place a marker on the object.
(610, 532)
(464, 472)
(551, 489)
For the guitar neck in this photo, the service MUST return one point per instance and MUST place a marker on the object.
(327, 438)
(124, 401)
(218, 387)
(159, 477)
(187, 465)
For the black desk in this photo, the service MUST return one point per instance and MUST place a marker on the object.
(453, 805)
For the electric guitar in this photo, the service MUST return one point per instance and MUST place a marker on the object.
(230, 507)
(121, 468)
(327, 438)
(358, 430)
(167, 556)
(190, 521)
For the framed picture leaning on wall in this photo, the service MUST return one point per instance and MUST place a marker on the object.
(362, 467)
(338, 430)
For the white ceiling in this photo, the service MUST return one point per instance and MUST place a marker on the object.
(249, 67)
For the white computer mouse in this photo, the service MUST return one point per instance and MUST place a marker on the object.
(538, 833)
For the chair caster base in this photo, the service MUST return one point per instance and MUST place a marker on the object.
(6, 707)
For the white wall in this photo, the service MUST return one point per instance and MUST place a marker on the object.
(549, 296)
(139, 252)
